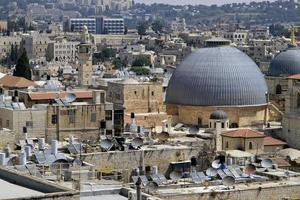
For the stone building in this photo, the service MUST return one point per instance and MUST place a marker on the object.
(35, 44)
(31, 98)
(137, 97)
(245, 140)
(217, 78)
(15, 116)
(8, 84)
(7, 43)
(145, 99)
(250, 141)
(83, 120)
(291, 118)
(62, 50)
(283, 65)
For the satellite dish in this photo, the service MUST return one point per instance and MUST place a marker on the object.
(59, 166)
(249, 169)
(77, 162)
(70, 97)
(266, 163)
(228, 181)
(106, 144)
(175, 175)
(137, 142)
(211, 172)
(151, 187)
(163, 136)
(193, 130)
(216, 164)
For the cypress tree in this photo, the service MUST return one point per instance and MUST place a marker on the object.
(23, 68)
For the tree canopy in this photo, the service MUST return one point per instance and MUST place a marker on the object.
(141, 61)
(140, 70)
(23, 68)
(142, 27)
(158, 25)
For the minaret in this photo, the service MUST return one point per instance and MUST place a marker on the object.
(293, 30)
(85, 68)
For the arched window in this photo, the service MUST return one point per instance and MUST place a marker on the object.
(250, 145)
(278, 89)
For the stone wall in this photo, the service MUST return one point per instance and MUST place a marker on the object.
(270, 193)
(243, 116)
(127, 160)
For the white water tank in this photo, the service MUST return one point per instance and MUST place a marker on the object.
(22, 158)
(154, 170)
(28, 151)
(2, 159)
(41, 144)
(54, 147)
(7, 151)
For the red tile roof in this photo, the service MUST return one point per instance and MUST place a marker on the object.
(53, 95)
(295, 76)
(269, 141)
(243, 133)
(15, 82)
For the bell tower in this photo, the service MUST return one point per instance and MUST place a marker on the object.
(85, 69)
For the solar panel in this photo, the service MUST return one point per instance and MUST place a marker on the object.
(33, 170)
(195, 177)
(74, 148)
(156, 179)
(162, 178)
(233, 171)
(202, 176)
(60, 156)
(228, 172)
(59, 102)
(22, 168)
(134, 179)
(239, 171)
(40, 157)
(221, 173)
(50, 158)
(144, 180)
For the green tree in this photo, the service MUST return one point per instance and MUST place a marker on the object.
(158, 25)
(118, 63)
(140, 70)
(107, 53)
(23, 68)
(142, 27)
(141, 61)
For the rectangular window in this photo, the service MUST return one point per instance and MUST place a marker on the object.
(54, 119)
(102, 97)
(93, 117)
(29, 124)
(108, 115)
(71, 114)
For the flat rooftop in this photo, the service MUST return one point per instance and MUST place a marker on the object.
(12, 191)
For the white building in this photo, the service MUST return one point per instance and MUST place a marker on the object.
(62, 50)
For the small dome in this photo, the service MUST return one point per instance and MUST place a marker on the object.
(286, 63)
(219, 114)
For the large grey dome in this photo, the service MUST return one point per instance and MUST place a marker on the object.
(219, 76)
(285, 63)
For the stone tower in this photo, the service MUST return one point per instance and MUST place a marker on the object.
(85, 69)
